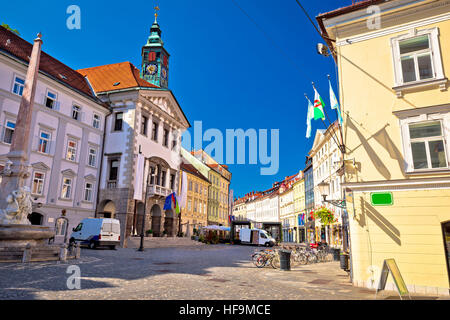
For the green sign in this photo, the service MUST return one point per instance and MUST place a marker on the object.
(382, 199)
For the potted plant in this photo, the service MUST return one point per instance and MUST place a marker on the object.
(325, 215)
(149, 233)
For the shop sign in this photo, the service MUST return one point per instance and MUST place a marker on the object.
(382, 199)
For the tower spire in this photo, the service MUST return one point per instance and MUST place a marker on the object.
(156, 14)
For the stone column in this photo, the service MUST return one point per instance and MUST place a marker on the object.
(18, 154)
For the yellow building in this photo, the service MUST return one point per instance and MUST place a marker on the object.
(299, 207)
(195, 212)
(393, 76)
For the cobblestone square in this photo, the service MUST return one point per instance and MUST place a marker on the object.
(170, 270)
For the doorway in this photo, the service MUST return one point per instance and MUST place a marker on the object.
(36, 219)
(446, 233)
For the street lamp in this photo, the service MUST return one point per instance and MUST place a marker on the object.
(150, 174)
(324, 189)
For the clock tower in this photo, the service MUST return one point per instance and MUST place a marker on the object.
(155, 59)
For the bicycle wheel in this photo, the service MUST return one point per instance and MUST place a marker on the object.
(255, 257)
(275, 262)
(302, 259)
(261, 262)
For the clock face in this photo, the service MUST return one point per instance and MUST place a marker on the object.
(164, 73)
(152, 69)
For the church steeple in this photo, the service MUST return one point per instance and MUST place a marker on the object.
(155, 59)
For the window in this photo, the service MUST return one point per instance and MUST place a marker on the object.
(195, 205)
(163, 179)
(417, 57)
(196, 188)
(174, 143)
(76, 112)
(38, 183)
(96, 121)
(92, 160)
(71, 150)
(113, 170)
(166, 138)
(172, 181)
(155, 131)
(427, 145)
(50, 100)
(19, 84)
(88, 188)
(66, 188)
(44, 142)
(118, 121)
(144, 123)
(189, 204)
(190, 185)
(9, 131)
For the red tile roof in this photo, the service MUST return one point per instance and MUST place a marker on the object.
(16, 47)
(356, 6)
(125, 75)
(192, 170)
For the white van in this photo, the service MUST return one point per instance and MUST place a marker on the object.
(97, 232)
(256, 237)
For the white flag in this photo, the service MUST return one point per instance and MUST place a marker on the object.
(183, 193)
(139, 177)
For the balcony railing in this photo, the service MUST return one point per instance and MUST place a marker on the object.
(111, 185)
(158, 191)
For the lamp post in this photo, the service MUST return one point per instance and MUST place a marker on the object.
(150, 174)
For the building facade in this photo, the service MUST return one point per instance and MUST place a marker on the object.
(142, 145)
(194, 214)
(396, 124)
(327, 160)
(309, 200)
(65, 137)
(299, 207)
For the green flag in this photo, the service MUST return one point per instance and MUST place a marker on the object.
(318, 106)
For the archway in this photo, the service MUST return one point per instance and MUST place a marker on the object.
(169, 221)
(107, 209)
(36, 219)
(155, 212)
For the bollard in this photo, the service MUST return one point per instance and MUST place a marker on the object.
(27, 254)
(63, 253)
(77, 251)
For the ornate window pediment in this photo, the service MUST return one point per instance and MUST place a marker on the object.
(68, 173)
(40, 166)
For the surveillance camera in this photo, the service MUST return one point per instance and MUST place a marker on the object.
(322, 50)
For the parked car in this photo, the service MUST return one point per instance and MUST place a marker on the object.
(256, 237)
(97, 232)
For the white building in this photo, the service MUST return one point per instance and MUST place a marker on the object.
(327, 160)
(66, 134)
(143, 135)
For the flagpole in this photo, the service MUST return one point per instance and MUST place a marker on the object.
(342, 147)
(326, 115)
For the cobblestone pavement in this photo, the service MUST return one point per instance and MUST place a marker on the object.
(187, 272)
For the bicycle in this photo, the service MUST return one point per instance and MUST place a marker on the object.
(266, 257)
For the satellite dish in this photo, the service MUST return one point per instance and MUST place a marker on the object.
(322, 50)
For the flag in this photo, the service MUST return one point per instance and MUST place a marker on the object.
(139, 178)
(309, 117)
(171, 203)
(184, 190)
(318, 106)
(335, 104)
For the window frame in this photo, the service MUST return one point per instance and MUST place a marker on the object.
(114, 127)
(55, 100)
(47, 149)
(444, 120)
(78, 111)
(20, 85)
(74, 154)
(87, 189)
(435, 51)
(99, 120)
(7, 128)
(70, 188)
(42, 183)
(89, 157)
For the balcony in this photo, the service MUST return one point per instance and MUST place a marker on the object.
(155, 190)
(111, 185)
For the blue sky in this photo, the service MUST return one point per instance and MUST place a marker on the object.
(224, 70)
